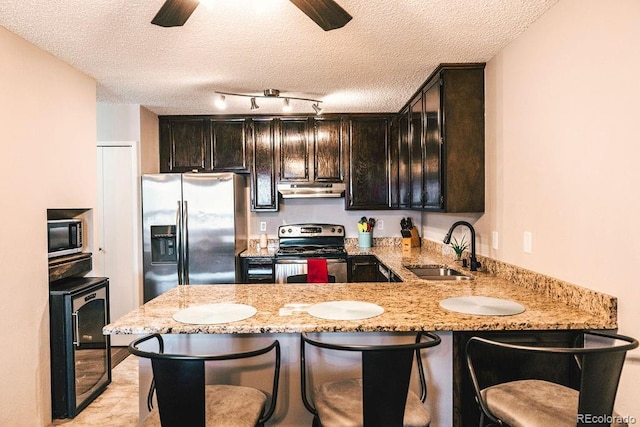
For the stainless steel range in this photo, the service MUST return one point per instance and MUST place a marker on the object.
(299, 242)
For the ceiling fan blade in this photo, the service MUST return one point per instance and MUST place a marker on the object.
(174, 13)
(326, 13)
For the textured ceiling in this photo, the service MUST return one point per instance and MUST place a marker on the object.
(373, 64)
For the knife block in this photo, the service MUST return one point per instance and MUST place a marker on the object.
(415, 238)
(413, 241)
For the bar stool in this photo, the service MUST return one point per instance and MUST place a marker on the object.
(534, 402)
(381, 397)
(184, 400)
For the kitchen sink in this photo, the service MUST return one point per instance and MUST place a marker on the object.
(437, 272)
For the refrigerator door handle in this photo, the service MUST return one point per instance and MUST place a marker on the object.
(179, 241)
(185, 233)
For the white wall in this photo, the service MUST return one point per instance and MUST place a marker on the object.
(562, 157)
(327, 211)
(48, 153)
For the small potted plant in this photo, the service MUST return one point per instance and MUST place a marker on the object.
(459, 247)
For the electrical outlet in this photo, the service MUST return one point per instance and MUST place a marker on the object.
(527, 242)
(380, 224)
(494, 240)
(263, 226)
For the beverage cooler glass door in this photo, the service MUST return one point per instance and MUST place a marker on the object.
(90, 346)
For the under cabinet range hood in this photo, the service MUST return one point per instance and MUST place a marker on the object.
(311, 190)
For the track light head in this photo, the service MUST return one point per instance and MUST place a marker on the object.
(316, 108)
(287, 105)
(254, 104)
(221, 102)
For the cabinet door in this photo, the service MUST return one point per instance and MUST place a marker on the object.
(228, 138)
(432, 147)
(328, 149)
(363, 268)
(294, 150)
(368, 164)
(184, 145)
(404, 165)
(263, 177)
(416, 153)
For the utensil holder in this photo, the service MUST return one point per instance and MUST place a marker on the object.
(365, 239)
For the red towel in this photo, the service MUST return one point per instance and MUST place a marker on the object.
(317, 270)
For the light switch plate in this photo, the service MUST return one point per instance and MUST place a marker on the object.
(263, 226)
(494, 240)
(527, 242)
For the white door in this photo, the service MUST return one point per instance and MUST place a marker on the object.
(118, 240)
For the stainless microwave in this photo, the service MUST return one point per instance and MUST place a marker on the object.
(64, 237)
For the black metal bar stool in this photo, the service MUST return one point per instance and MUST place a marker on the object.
(381, 396)
(535, 402)
(184, 399)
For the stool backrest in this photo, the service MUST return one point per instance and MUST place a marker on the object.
(386, 373)
(600, 368)
(179, 381)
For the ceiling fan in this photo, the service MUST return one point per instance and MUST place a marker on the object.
(326, 13)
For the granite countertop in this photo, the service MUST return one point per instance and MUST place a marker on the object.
(408, 306)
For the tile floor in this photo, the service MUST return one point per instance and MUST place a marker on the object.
(117, 406)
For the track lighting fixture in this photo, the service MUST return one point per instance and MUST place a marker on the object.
(269, 93)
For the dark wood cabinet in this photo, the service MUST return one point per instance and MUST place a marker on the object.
(400, 162)
(257, 270)
(416, 153)
(368, 268)
(310, 150)
(184, 145)
(328, 149)
(430, 156)
(262, 165)
(196, 143)
(447, 140)
(368, 172)
(294, 150)
(229, 142)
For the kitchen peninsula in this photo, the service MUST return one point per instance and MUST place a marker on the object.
(550, 306)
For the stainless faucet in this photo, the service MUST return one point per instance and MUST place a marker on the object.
(473, 262)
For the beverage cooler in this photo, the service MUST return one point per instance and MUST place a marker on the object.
(80, 353)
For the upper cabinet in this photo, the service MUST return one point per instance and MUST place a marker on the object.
(229, 141)
(444, 123)
(195, 143)
(368, 171)
(261, 155)
(328, 148)
(294, 150)
(184, 144)
(430, 156)
(310, 149)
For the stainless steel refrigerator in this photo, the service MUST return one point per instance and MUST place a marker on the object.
(194, 227)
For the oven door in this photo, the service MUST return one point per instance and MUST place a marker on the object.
(287, 267)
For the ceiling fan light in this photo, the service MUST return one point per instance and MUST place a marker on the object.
(221, 102)
(316, 108)
(287, 105)
(254, 104)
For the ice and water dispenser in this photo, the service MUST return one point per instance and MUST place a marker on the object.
(163, 244)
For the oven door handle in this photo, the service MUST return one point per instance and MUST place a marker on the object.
(304, 261)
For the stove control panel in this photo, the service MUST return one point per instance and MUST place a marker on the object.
(311, 230)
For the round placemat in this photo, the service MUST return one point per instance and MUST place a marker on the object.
(484, 306)
(345, 310)
(208, 314)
